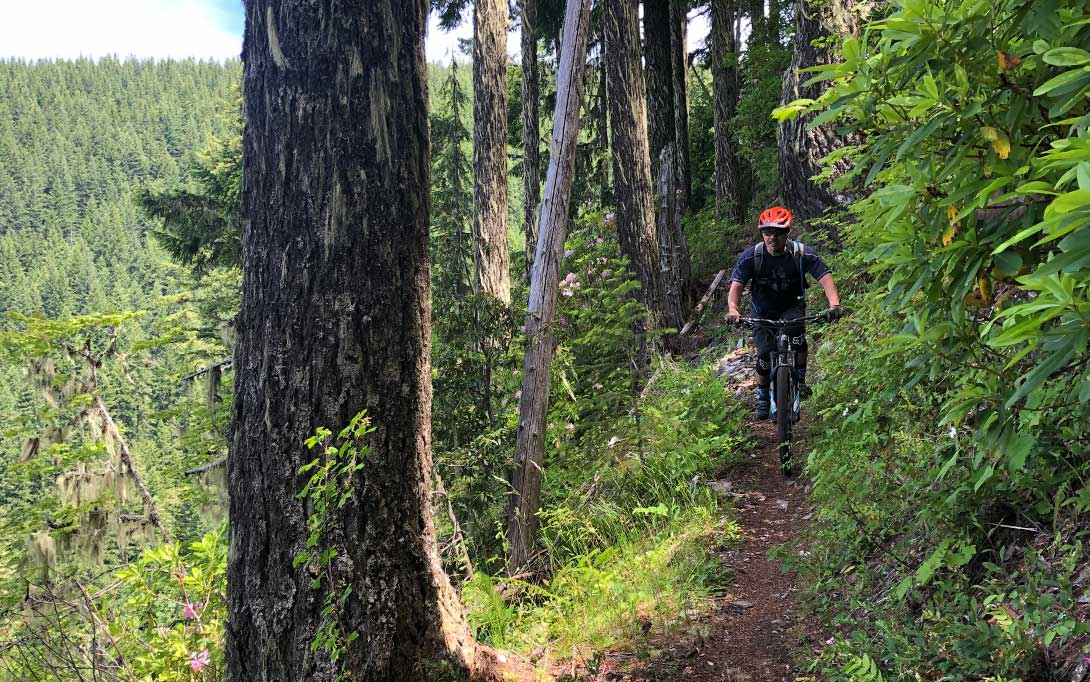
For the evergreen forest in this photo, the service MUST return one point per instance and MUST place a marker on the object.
(331, 364)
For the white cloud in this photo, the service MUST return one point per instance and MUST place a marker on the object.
(42, 29)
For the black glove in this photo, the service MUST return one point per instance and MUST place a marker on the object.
(732, 317)
(834, 313)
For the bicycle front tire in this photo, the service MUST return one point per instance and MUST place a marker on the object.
(784, 408)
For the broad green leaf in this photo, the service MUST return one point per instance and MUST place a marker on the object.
(1066, 56)
(1059, 81)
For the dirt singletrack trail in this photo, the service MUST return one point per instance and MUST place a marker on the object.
(754, 631)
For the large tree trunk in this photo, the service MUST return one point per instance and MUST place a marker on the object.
(800, 148)
(537, 363)
(490, 148)
(531, 129)
(659, 77)
(679, 22)
(335, 319)
(728, 188)
(631, 164)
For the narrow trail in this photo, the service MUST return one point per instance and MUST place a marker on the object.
(754, 631)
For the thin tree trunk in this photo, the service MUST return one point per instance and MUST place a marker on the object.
(631, 163)
(728, 194)
(801, 148)
(490, 149)
(526, 475)
(335, 319)
(531, 129)
(673, 249)
(659, 77)
(679, 22)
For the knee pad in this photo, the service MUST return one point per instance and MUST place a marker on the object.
(764, 365)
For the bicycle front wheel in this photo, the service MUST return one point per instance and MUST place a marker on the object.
(784, 407)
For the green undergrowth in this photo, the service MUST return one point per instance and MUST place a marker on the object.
(924, 567)
(631, 544)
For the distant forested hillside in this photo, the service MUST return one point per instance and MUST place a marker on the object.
(77, 140)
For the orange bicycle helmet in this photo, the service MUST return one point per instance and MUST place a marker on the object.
(777, 216)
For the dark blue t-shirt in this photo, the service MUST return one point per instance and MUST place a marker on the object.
(780, 285)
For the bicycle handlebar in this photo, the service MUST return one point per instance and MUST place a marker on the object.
(806, 319)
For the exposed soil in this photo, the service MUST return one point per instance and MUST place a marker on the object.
(753, 632)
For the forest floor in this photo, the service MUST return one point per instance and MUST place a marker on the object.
(754, 631)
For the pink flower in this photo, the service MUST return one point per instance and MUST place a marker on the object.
(518, 409)
(518, 393)
(569, 278)
(552, 425)
(570, 427)
(598, 387)
(607, 273)
(569, 253)
(198, 661)
(190, 611)
(609, 217)
(599, 240)
(567, 292)
(830, 640)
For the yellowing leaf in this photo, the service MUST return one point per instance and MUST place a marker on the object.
(985, 289)
(1007, 61)
(948, 235)
(1000, 142)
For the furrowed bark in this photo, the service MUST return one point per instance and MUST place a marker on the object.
(335, 319)
(531, 130)
(659, 78)
(631, 163)
(492, 258)
(801, 148)
(525, 496)
(673, 249)
(680, 90)
(728, 194)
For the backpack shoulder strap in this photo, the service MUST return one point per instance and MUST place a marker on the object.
(758, 258)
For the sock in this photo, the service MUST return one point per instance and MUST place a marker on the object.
(762, 391)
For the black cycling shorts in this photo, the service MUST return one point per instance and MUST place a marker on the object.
(764, 338)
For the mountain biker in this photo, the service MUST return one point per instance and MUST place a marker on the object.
(777, 268)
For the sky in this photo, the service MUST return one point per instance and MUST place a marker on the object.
(204, 29)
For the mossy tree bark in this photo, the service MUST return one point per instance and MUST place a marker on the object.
(492, 259)
(335, 319)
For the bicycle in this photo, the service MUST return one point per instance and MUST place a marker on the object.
(784, 383)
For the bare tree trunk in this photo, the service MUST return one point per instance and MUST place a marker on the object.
(728, 190)
(537, 363)
(679, 21)
(673, 249)
(800, 148)
(335, 319)
(631, 163)
(531, 129)
(659, 77)
(490, 148)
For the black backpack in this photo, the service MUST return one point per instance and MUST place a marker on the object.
(793, 247)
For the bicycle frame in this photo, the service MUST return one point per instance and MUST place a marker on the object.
(784, 399)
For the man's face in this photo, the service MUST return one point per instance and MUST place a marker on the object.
(775, 240)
